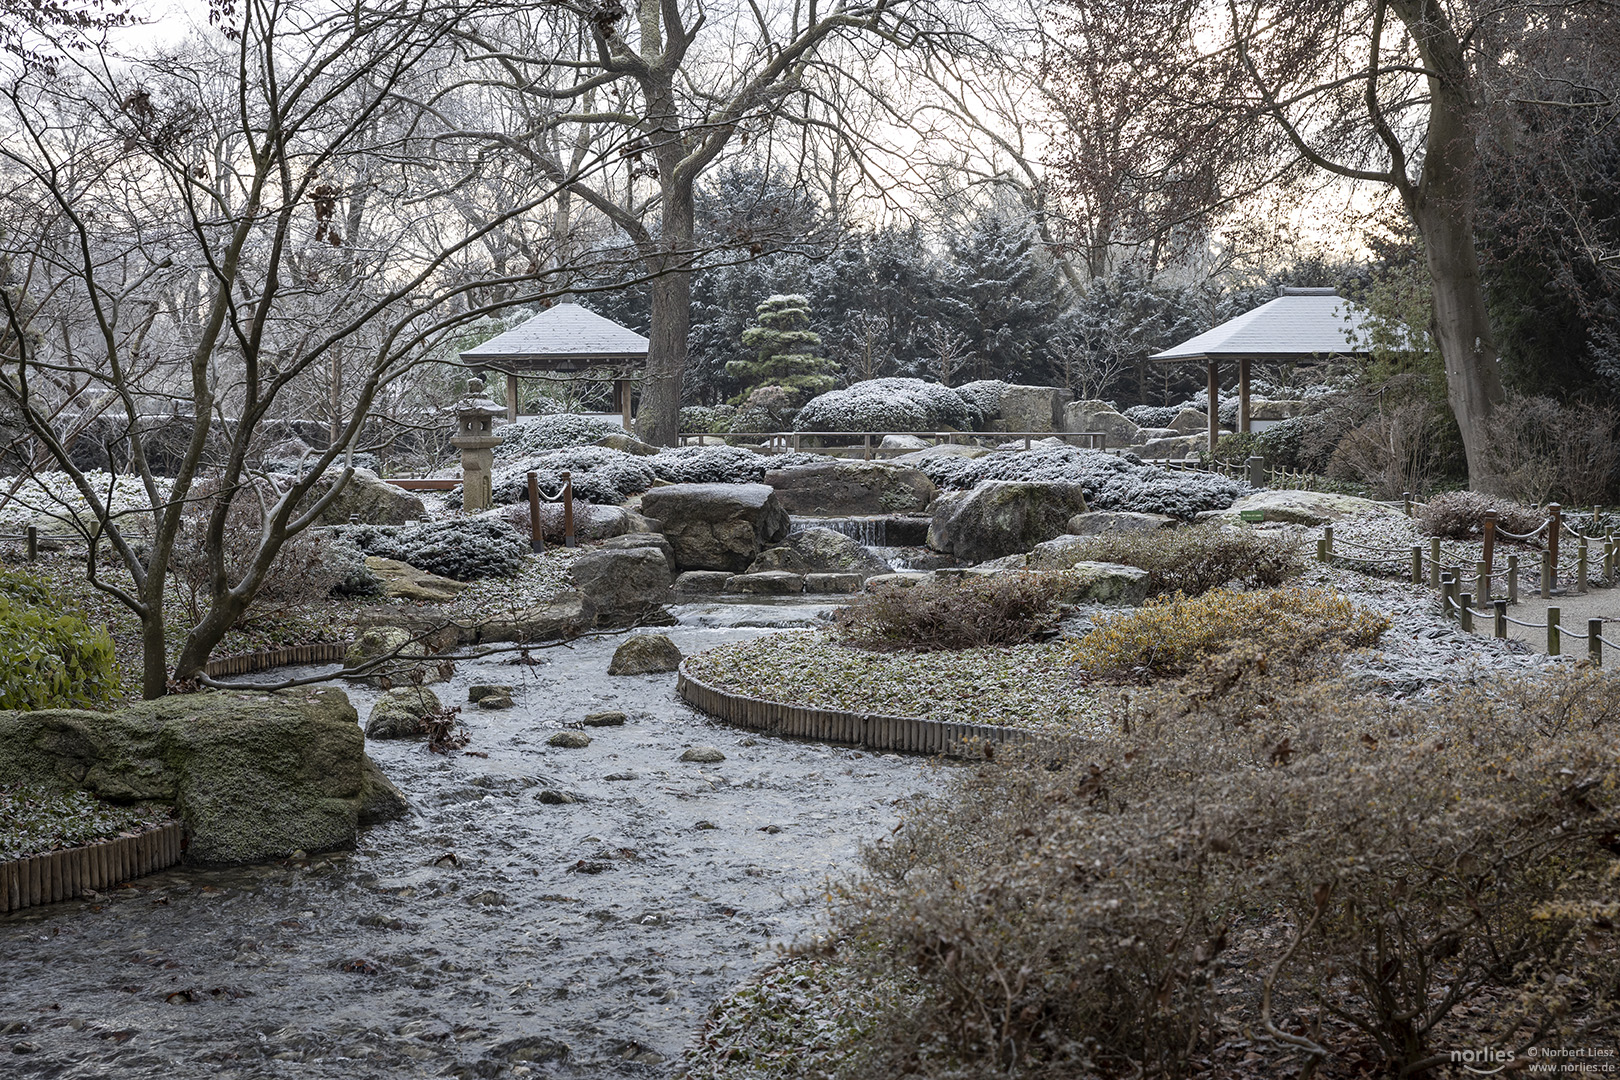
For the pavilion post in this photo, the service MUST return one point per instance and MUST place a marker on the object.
(511, 396)
(1243, 395)
(1214, 405)
(621, 388)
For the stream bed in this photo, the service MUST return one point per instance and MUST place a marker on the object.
(491, 933)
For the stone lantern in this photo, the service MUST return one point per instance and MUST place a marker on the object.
(476, 439)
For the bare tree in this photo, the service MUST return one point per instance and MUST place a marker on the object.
(184, 248)
(864, 350)
(950, 352)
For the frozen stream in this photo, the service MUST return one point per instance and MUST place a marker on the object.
(490, 934)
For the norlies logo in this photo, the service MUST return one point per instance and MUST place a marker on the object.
(1483, 1062)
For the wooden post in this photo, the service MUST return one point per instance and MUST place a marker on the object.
(1489, 555)
(1465, 612)
(31, 543)
(1554, 639)
(1327, 541)
(1513, 579)
(866, 446)
(1555, 515)
(1417, 564)
(537, 540)
(1434, 562)
(1482, 582)
(1608, 559)
(511, 396)
(1214, 405)
(621, 389)
(1406, 498)
(1243, 395)
(568, 508)
(1500, 628)
(1546, 575)
(1594, 641)
(1580, 565)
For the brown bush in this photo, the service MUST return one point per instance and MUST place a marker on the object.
(968, 612)
(1460, 515)
(1199, 558)
(1328, 872)
(1397, 449)
(1542, 450)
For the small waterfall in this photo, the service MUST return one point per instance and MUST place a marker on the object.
(869, 532)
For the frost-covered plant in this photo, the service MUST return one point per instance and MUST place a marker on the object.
(534, 434)
(600, 475)
(983, 399)
(462, 548)
(1109, 482)
(292, 466)
(710, 465)
(52, 495)
(1152, 416)
(707, 419)
(347, 563)
(1460, 515)
(886, 405)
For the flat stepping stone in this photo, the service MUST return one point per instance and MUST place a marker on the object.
(570, 740)
(704, 755)
(605, 719)
(766, 583)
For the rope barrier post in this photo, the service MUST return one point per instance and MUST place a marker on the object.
(1546, 575)
(1482, 582)
(1465, 612)
(31, 543)
(568, 508)
(1554, 639)
(1608, 559)
(1434, 562)
(1513, 579)
(1594, 641)
(1580, 566)
(1489, 554)
(1555, 515)
(1417, 564)
(1447, 586)
(1500, 629)
(537, 541)
(1406, 498)
(866, 446)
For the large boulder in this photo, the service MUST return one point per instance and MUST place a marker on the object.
(1104, 522)
(645, 654)
(628, 541)
(402, 581)
(841, 488)
(1003, 517)
(591, 521)
(903, 442)
(1280, 410)
(1058, 553)
(558, 619)
(1104, 583)
(1304, 507)
(622, 579)
(816, 551)
(717, 526)
(1101, 416)
(1173, 446)
(1190, 422)
(399, 713)
(254, 776)
(368, 499)
(917, 458)
(1033, 408)
(394, 654)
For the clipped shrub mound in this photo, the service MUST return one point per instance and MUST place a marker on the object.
(534, 434)
(600, 475)
(1152, 416)
(50, 658)
(983, 399)
(1460, 515)
(1197, 559)
(464, 548)
(710, 465)
(886, 405)
(1175, 634)
(707, 419)
(1110, 482)
(951, 613)
(1123, 909)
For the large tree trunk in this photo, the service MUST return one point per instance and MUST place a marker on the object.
(659, 421)
(1442, 207)
(154, 651)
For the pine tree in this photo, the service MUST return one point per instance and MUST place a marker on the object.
(786, 346)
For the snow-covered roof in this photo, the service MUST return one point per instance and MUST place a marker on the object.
(1298, 325)
(564, 336)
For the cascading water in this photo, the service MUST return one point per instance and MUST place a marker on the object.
(871, 533)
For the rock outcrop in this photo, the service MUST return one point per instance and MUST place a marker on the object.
(1003, 517)
(645, 654)
(717, 526)
(819, 551)
(1103, 522)
(1101, 416)
(366, 498)
(841, 488)
(623, 579)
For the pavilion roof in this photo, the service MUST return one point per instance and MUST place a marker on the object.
(565, 337)
(1301, 324)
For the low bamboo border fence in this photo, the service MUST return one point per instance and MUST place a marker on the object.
(322, 652)
(871, 731)
(66, 874)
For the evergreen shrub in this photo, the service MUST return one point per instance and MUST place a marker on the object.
(51, 658)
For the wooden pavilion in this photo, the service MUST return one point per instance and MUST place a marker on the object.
(1300, 325)
(566, 339)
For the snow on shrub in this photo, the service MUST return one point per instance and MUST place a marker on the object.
(1152, 416)
(709, 465)
(53, 495)
(600, 475)
(463, 548)
(534, 434)
(707, 419)
(1110, 483)
(886, 405)
(983, 399)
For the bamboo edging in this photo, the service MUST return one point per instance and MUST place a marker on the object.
(66, 874)
(906, 734)
(324, 652)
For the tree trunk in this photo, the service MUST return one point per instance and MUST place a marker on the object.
(659, 421)
(154, 651)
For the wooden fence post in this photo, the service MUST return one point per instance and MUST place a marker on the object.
(1513, 579)
(1546, 575)
(31, 543)
(1406, 498)
(1594, 641)
(1580, 565)
(1417, 564)
(568, 508)
(1482, 582)
(1554, 638)
(1489, 554)
(1555, 516)
(1465, 612)
(1500, 629)
(537, 541)
(1434, 562)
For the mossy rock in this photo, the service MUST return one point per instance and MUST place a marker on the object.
(399, 713)
(254, 776)
(645, 654)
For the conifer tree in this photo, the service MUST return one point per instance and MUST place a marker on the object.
(786, 346)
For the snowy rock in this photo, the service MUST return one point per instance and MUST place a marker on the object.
(767, 583)
(1033, 408)
(1104, 522)
(645, 654)
(903, 442)
(1003, 518)
(1306, 507)
(718, 526)
(852, 487)
(622, 579)
(1100, 416)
